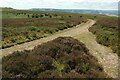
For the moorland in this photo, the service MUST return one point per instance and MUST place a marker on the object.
(65, 57)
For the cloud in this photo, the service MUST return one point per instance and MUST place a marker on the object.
(25, 4)
(96, 5)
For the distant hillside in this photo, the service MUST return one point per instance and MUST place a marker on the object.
(104, 12)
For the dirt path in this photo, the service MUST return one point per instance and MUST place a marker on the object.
(105, 56)
(80, 32)
(30, 45)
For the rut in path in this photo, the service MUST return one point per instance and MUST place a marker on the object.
(106, 58)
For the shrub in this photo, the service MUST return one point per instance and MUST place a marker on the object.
(106, 30)
(58, 58)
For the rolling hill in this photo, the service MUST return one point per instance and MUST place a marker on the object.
(103, 12)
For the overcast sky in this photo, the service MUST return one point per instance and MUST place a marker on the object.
(64, 4)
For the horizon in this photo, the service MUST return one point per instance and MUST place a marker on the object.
(73, 8)
(62, 4)
(63, 8)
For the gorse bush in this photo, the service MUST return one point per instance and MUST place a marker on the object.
(63, 57)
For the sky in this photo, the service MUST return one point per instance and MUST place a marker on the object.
(61, 4)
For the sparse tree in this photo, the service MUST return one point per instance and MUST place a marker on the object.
(50, 16)
(28, 16)
(46, 14)
(36, 16)
(56, 15)
(41, 15)
(33, 16)
(81, 16)
(70, 16)
(95, 16)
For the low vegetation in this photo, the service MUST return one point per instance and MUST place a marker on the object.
(63, 57)
(106, 30)
(9, 13)
(21, 26)
(16, 31)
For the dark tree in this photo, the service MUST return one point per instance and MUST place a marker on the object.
(33, 16)
(18, 13)
(24, 13)
(80, 16)
(55, 15)
(41, 15)
(50, 16)
(70, 16)
(28, 16)
(36, 16)
(95, 16)
(46, 14)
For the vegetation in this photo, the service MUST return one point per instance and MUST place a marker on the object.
(63, 57)
(20, 26)
(16, 31)
(17, 23)
(8, 13)
(106, 30)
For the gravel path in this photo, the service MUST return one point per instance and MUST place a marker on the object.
(105, 56)
(30, 45)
